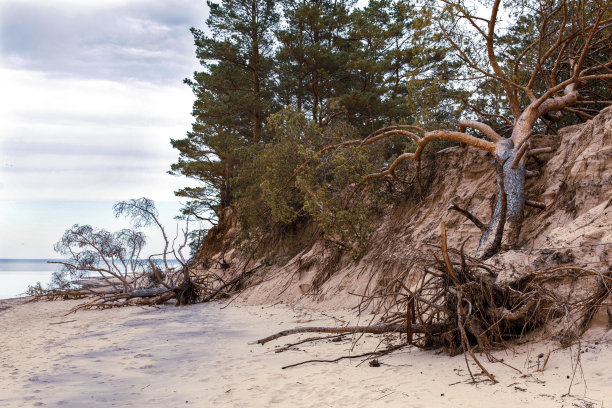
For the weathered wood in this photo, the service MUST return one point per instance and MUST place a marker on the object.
(509, 205)
(373, 329)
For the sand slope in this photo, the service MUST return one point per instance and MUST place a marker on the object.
(574, 182)
(198, 356)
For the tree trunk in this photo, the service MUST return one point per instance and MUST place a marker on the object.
(505, 224)
(257, 116)
(299, 90)
(315, 96)
(226, 192)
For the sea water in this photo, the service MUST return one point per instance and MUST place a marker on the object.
(17, 274)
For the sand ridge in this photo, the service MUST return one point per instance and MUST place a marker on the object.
(199, 356)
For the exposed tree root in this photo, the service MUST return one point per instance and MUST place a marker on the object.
(459, 306)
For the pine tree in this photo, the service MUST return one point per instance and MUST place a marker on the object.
(234, 94)
(310, 53)
(374, 65)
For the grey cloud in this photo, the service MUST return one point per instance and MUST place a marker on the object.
(136, 170)
(148, 41)
(130, 118)
(14, 148)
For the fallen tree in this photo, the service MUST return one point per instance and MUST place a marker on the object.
(460, 306)
(121, 276)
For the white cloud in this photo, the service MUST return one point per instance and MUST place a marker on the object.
(88, 139)
(36, 95)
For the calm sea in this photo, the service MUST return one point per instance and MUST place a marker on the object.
(17, 274)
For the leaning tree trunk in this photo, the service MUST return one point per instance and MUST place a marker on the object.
(505, 224)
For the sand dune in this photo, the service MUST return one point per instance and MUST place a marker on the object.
(199, 356)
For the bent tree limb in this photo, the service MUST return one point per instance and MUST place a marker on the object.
(454, 207)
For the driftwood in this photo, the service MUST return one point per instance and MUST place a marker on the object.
(376, 353)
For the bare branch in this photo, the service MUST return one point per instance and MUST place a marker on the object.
(375, 329)
(484, 128)
(512, 99)
(481, 226)
(478, 111)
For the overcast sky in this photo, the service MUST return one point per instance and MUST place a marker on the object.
(91, 93)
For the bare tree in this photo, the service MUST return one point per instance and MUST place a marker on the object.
(142, 213)
(112, 256)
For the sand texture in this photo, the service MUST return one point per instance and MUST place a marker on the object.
(199, 356)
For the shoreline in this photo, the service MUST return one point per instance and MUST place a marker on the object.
(199, 356)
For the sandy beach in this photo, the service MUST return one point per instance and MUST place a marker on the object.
(199, 356)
